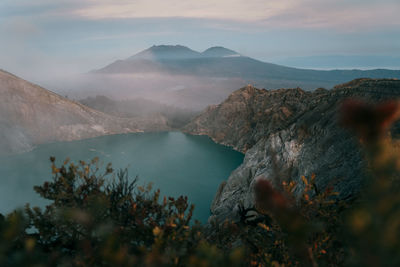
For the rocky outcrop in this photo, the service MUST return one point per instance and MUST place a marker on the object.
(288, 133)
(31, 115)
(250, 114)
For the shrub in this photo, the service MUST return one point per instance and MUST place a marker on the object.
(90, 222)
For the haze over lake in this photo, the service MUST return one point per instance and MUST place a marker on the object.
(176, 163)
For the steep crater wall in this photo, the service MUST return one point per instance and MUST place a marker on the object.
(288, 133)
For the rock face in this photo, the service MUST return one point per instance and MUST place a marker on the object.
(31, 115)
(288, 133)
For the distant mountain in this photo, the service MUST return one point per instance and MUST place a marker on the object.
(287, 133)
(180, 76)
(179, 52)
(224, 63)
(32, 115)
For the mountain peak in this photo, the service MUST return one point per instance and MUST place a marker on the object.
(219, 51)
(160, 52)
(177, 52)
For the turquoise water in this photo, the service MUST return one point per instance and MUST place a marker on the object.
(176, 163)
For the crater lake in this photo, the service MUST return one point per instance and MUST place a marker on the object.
(176, 163)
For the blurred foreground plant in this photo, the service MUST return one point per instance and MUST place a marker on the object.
(92, 222)
(320, 230)
(373, 224)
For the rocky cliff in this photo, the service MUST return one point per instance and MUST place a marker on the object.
(31, 115)
(288, 133)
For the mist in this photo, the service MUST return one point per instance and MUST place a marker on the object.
(182, 91)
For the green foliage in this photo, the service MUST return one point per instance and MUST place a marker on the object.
(94, 223)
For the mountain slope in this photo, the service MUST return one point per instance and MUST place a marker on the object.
(32, 115)
(219, 51)
(288, 133)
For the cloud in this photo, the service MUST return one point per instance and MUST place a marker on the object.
(343, 14)
(222, 9)
(356, 14)
(19, 29)
(272, 13)
(126, 36)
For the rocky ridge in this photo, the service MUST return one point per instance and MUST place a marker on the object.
(31, 115)
(288, 133)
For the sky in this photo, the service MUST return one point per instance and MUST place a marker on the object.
(41, 39)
